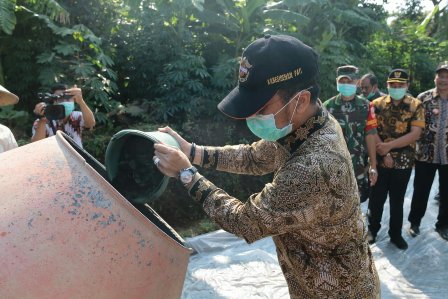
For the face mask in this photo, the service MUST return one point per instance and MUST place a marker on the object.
(264, 126)
(347, 90)
(397, 93)
(370, 95)
(69, 107)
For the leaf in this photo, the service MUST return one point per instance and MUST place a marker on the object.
(199, 4)
(7, 16)
(66, 49)
(105, 60)
(134, 110)
(422, 27)
(286, 16)
(84, 69)
(46, 57)
(252, 6)
(52, 9)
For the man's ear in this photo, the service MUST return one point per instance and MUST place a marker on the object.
(304, 100)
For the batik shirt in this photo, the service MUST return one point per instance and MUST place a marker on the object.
(311, 209)
(395, 122)
(432, 147)
(72, 126)
(357, 119)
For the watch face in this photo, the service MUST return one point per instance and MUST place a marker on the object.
(186, 176)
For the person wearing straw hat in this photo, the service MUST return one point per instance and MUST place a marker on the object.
(311, 208)
(7, 140)
(400, 122)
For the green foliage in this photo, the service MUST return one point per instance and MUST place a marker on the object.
(143, 64)
(7, 16)
(181, 87)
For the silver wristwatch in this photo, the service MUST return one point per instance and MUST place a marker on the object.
(186, 175)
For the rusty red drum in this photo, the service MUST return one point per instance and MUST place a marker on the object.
(65, 232)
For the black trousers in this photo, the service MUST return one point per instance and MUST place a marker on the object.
(393, 182)
(424, 177)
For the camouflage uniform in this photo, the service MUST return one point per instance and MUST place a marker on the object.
(357, 119)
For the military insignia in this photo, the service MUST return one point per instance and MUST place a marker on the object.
(397, 74)
(244, 69)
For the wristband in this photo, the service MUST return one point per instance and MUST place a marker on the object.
(192, 152)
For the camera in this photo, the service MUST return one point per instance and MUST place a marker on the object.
(53, 111)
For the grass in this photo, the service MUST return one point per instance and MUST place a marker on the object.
(197, 228)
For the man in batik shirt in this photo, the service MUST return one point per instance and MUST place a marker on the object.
(311, 207)
(400, 121)
(357, 119)
(432, 154)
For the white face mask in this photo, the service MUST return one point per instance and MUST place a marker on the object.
(264, 126)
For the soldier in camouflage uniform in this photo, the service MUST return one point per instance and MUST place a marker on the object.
(357, 119)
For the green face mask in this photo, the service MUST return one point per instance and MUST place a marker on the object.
(347, 90)
(69, 107)
(370, 95)
(263, 126)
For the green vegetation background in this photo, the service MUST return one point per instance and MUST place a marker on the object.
(145, 64)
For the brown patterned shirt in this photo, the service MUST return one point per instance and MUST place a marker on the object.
(395, 122)
(311, 209)
(432, 147)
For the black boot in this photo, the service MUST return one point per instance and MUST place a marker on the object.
(443, 232)
(399, 242)
(414, 230)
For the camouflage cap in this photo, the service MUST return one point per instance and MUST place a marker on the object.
(442, 66)
(347, 71)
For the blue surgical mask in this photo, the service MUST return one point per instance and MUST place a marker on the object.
(347, 90)
(69, 107)
(264, 126)
(397, 93)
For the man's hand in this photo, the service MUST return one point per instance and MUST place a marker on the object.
(184, 145)
(383, 148)
(171, 159)
(373, 175)
(388, 161)
(39, 109)
(76, 94)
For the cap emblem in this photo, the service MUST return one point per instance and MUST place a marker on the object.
(397, 74)
(244, 69)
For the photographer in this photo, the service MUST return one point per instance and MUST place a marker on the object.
(72, 123)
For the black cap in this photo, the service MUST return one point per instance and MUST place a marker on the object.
(442, 66)
(267, 65)
(398, 76)
(348, 71)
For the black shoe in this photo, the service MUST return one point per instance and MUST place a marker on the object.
(443, 232)
(414, 230)
(399, 242)
(370, 237)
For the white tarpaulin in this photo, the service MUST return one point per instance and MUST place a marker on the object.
(225, 266)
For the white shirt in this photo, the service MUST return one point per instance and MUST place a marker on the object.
(7, 140)
(72, 127)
